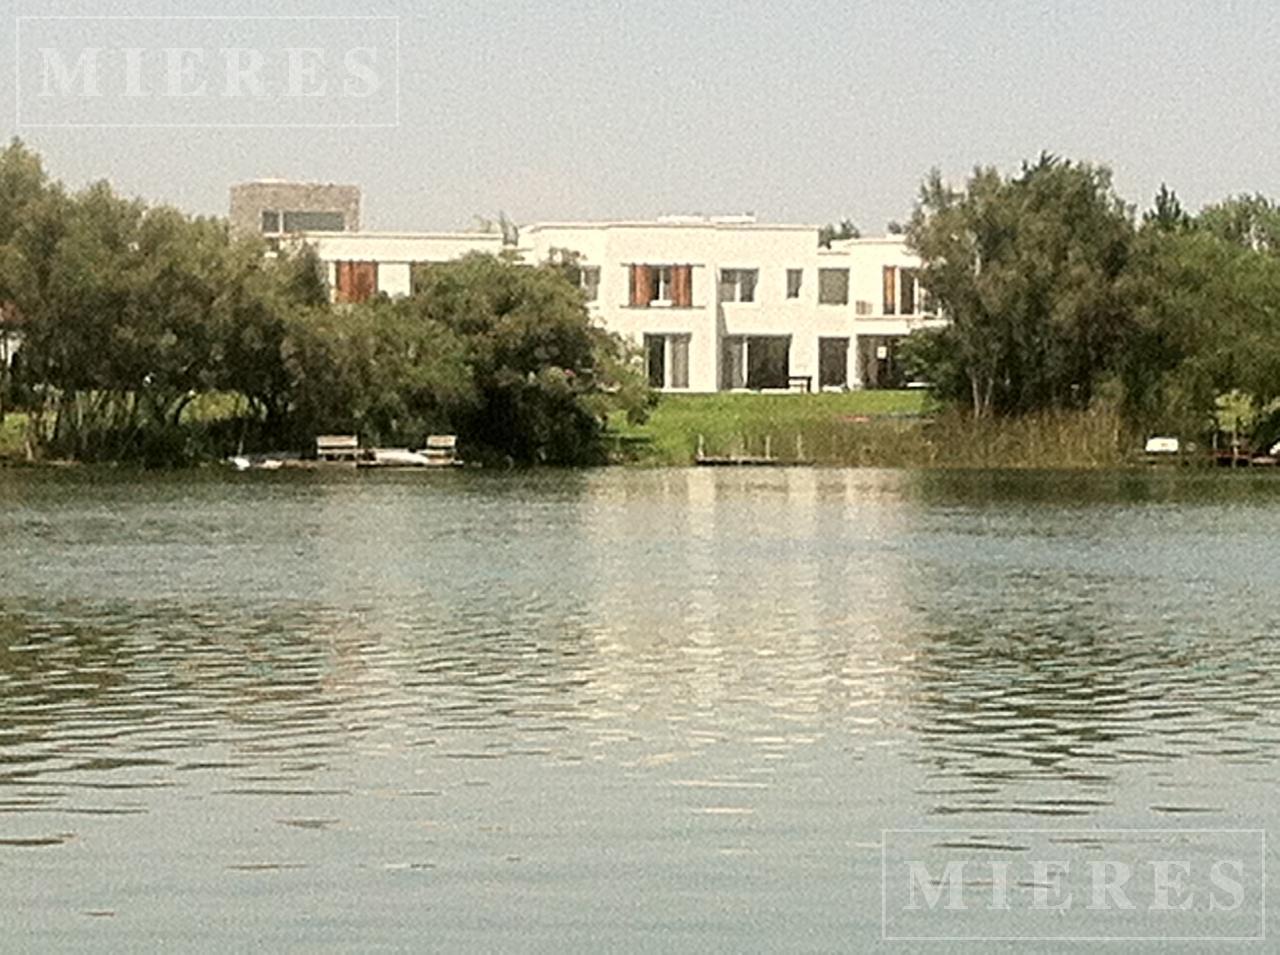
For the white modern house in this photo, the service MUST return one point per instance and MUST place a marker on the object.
(360, 265)
(716, 303)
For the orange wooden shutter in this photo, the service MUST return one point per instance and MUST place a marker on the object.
(641, 285)
(366, 284)
(890, 291)
(682, 286)
(342, 282)
(356, 282)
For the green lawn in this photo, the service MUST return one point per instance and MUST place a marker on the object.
(11, 431)
(739, 423)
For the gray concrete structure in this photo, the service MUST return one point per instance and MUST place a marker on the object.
(276, 207)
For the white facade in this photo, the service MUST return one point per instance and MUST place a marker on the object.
(395, 253)
(716, 304)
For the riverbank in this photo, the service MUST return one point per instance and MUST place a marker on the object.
(888, 429)
(867, 429)
(12, 432)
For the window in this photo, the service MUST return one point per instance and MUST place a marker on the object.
(733, 363)
(833, 286)
(667, 360)
(356, 281)
(270, 222)
(678, 346)
(768, 361)
(863, 307)
(589, 281)
(907, 279)
(655, 359)
(833, 362)
(795, 279)
(738, 285)
(661, 285)
(890, 291)
(314, 222)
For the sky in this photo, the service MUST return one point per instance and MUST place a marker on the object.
(795, 111)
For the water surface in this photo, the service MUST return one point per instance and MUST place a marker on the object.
(667, 710)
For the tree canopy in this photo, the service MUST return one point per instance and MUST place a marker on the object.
(131, 315)
(1026, 268)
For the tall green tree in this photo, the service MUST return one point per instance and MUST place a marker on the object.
(1026, 267)
(544, 376)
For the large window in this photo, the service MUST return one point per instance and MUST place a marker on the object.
(768, 361)
(661, 285)
(738, 285)
(678, 352)
(733, 363)
(907, 290)
(901, 291)
(667, 360)
(314, 222)
(278, 222)
(833, 286)
(833, 362)
(795, 280)
(655, 358)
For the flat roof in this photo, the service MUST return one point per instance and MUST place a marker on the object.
(674, 224)
(321, 234)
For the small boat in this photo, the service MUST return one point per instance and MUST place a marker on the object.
(242, 463)
(440, 452)
(393, 458)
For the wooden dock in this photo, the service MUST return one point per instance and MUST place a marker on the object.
(744, 460)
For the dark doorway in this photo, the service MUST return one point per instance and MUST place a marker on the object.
(877, 358)
(655, 351)
(768, 361)
(833, 362)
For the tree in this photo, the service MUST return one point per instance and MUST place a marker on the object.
(1167, 215)
(1027, 270)
(1203, 323)
(544, 376)
(1252, 222)
(838, 232)
(22, 183)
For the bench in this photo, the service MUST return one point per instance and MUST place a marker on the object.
(337, 447)
(442, 448)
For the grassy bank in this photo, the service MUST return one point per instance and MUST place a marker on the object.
(12, 430)
(868, 429)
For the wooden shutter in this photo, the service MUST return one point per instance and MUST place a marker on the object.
(641, 286)
(682, 286)
(890, 291)
(342, 282)
(356, 282)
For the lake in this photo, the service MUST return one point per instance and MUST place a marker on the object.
(621, 709)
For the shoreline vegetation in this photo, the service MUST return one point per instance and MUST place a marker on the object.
(885, 429)
(1077, 329)
(882, 429)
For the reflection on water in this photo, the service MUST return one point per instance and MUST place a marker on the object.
(585, 709)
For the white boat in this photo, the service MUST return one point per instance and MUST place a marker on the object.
(393, 458)
(242, 463)
(440, 452)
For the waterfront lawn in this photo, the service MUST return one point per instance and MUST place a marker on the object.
(11, 431)
(737, 423)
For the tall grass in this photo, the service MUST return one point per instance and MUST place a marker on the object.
(875, 429)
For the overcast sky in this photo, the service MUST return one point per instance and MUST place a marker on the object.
(796, 111)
